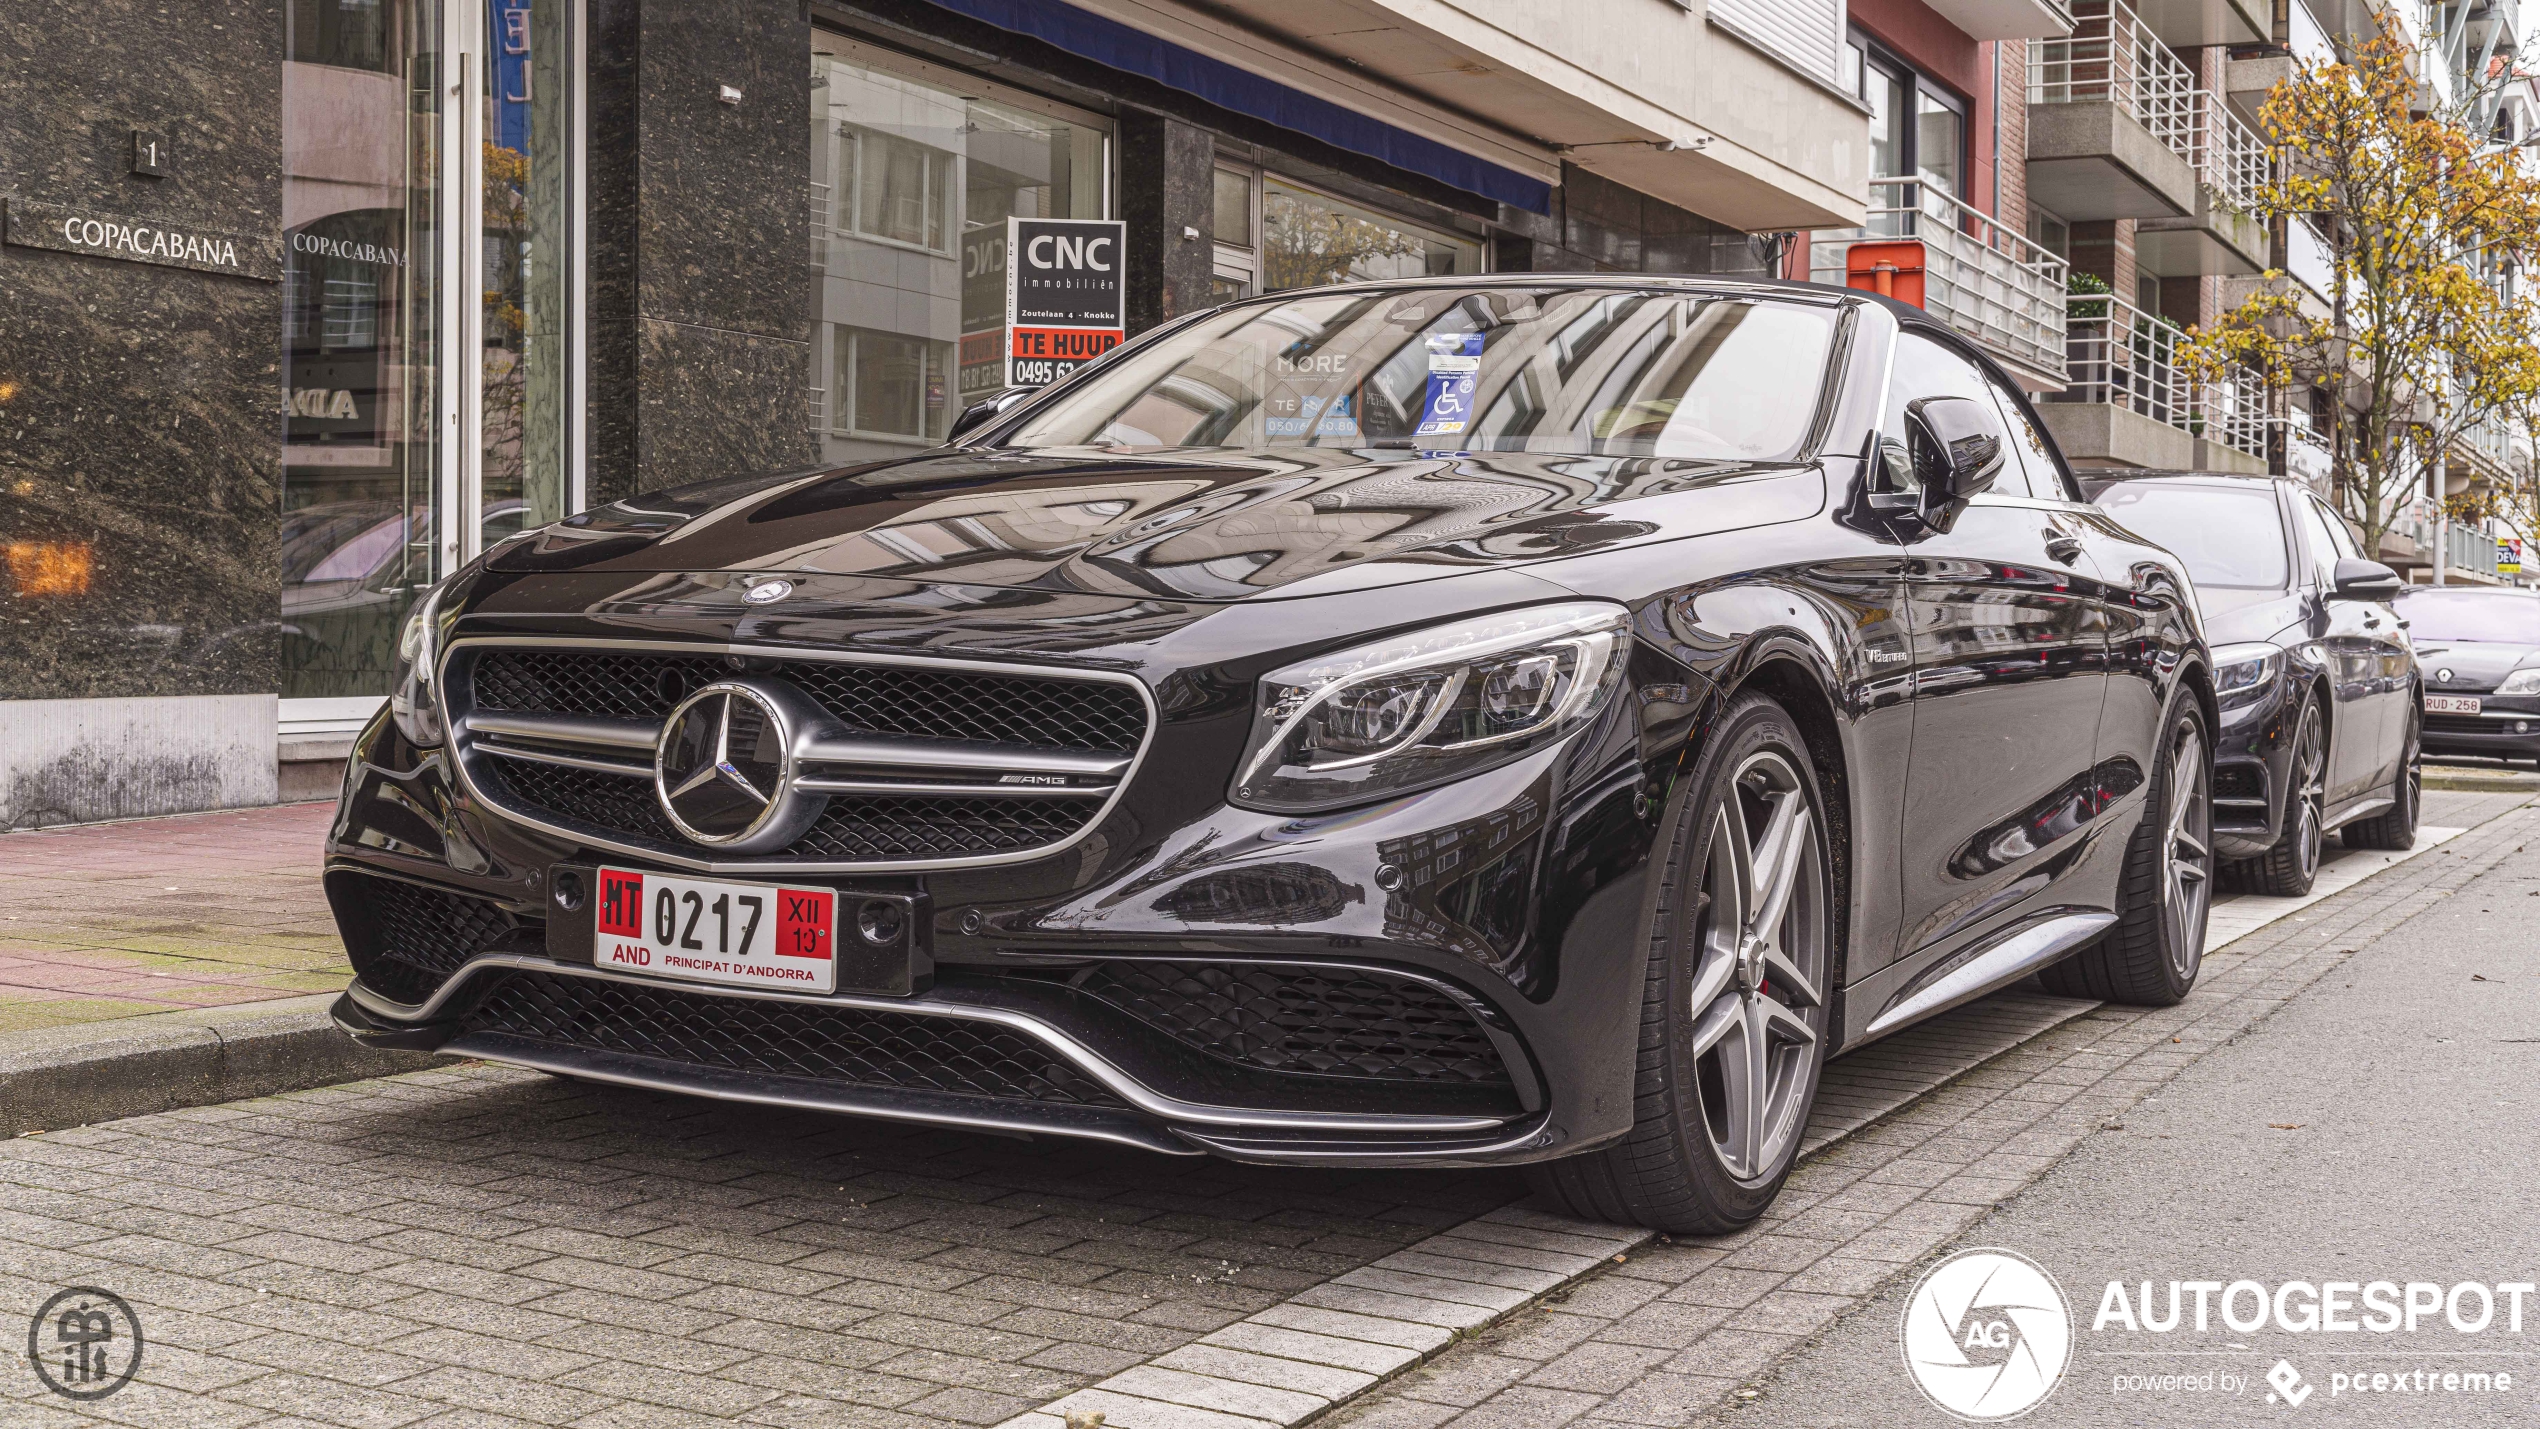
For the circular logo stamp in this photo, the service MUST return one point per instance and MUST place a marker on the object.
(85, 1343)
(768, 592)
(1987, 1335)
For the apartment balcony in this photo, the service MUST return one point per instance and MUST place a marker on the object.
(2113, 121)
(2481, 456)
(2224, 235)
(2128, 402)
(1981, 278)
(2307, 454)
(2188, 24)
(2247, 83)
(2469, 553)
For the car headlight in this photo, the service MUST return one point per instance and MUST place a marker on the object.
(2243, 673)
(2521, 682)
(413, 702)
(1426, 708)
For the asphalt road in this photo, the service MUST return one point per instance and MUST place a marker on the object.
(2381, 1126)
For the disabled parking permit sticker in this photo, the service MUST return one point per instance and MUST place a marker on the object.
(1455, 361)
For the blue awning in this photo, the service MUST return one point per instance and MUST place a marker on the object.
(1108, 42)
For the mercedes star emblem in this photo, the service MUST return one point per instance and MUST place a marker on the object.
(724, 768)
(768, 592)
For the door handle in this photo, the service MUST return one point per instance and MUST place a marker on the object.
(2063, 548)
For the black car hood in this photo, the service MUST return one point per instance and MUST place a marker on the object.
(1206, 526)
(2233, 616)
(2475, 664)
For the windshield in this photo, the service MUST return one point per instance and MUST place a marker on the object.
(2471, 615)
(1584, 371)
(2228, 537)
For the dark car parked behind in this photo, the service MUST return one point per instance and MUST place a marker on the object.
(2312, 669)
(1518, 720)
(2480, 646)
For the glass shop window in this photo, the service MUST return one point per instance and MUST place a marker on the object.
(911, 183)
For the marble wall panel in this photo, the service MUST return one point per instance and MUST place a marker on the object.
(140, 435)
(700, 234)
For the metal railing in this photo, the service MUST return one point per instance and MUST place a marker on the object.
(2307, 453)
(1984, 279)
(2118, 354)
(2492, 442)
(2232, 160)
(2469, 549)
(2113, 57)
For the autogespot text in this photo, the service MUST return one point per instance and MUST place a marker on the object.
(2304, 1307)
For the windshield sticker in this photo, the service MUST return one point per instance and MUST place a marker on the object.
(1337, 421)
(1455, 361)
(1288, 414)
(1315, 364)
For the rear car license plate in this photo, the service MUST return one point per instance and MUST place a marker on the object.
(706, 930)
(2451, 704)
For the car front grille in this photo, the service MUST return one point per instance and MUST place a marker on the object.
(405, 939)
(977, 711)
(920, 703)
(1301, 1019)
(856, 1046)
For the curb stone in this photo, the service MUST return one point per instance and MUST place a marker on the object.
(133, 1066)
(2472, 779)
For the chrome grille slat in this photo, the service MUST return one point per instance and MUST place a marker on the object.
(566, 729)
(545, 727)
(569, 761)
(817, 785)
(963, 754)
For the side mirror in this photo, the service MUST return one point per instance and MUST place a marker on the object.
(980, 413)
(1966, 447)
(2363, 580)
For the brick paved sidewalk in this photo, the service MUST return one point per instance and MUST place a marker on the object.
(153, 915)
(1674, 1336)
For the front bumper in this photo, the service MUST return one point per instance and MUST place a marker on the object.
(1006, 1035)
(1063, 1074)
(2506, 727)
(2253, 761)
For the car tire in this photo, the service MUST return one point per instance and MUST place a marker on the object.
(1733, 1020)
(2288, 869)
(2396, 826)
(2151, 957)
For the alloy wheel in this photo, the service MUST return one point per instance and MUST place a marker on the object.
(2187, 883)
(1758, 1009)
(2412, 788)
(2310, 794)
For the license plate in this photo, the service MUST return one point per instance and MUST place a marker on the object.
(705, 930)
(2451, 704)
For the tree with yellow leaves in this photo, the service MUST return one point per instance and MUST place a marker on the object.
(2417, 212)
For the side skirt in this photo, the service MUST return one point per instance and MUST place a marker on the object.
(1903, 995)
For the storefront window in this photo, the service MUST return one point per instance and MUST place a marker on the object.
(375, 507)
(361, 116)
(524, 479)
(1309, 240)
(902, 171)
